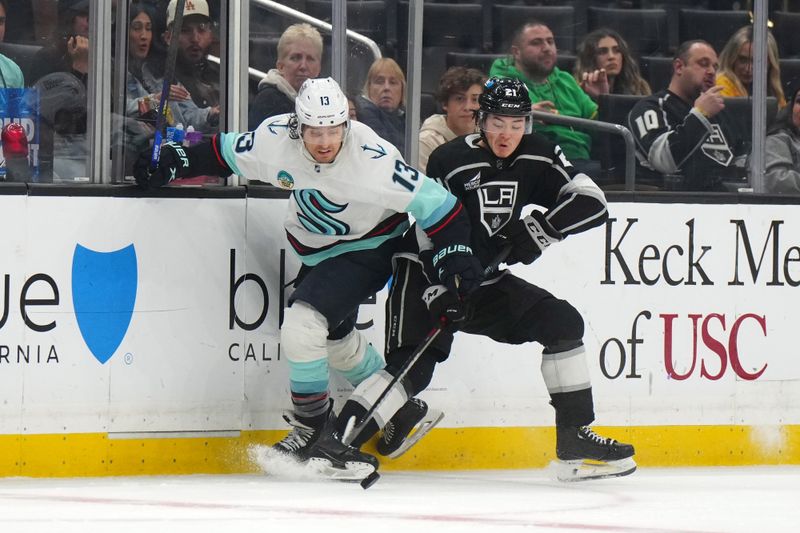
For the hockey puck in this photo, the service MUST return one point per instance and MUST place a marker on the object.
(370, 480)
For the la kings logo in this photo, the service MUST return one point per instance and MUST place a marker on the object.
(716, 147)
(497, 204)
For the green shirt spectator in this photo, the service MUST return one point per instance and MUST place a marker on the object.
(569, 99)
(11, 74)
(532, 60)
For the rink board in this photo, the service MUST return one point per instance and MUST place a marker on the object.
(141, 336)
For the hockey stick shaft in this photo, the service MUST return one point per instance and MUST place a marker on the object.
(169, 74)
(351, 434)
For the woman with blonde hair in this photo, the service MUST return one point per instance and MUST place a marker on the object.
(381, 106)
(735, 73)
(299, 58)
(604, 50)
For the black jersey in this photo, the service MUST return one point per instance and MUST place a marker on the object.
(674, 139)
(494, 190)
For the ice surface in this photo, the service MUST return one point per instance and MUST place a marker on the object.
(753, 499)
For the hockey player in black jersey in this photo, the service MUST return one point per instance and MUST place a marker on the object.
(495, 174)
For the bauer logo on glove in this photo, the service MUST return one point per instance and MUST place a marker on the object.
(452, 249)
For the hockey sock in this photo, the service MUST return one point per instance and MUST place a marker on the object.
(312, 409)
(573, 408)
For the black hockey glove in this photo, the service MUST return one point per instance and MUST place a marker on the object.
(457, 269)
(173, 163)
(445, 306)
(530, 236)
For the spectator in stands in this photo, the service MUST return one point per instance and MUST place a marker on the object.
(68, 50)
(533, 60)
(684, 140)
(60, 72)
(381, 105)
(143, 89)
(605, 51)
(193, 70)
(736, 66)
(458, 92)
(10, 73)
(783, 147)
(299, 58)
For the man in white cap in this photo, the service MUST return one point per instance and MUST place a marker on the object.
(193, 70)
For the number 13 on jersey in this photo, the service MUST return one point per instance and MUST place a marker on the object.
(405, 175)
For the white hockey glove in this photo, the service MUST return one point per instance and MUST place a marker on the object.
(530, 236)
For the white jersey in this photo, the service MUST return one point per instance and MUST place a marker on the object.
(355, 203)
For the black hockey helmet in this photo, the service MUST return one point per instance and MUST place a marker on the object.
(506, 97)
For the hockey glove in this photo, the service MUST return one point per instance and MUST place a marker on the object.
(173, 163)
(445, 307)
(530, 236)
(457, 269)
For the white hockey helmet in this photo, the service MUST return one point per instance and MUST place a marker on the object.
(320, 102)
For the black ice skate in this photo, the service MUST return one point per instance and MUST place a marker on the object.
(330, 458)
(583, 454)
(297, 444)
(414, 417)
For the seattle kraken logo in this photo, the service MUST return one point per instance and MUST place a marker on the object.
(103, 295)
(315, 215)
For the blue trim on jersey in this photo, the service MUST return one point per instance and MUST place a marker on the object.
(308, 377)
(226, 143)
(431, 203)
(352, 246)
(370, 363)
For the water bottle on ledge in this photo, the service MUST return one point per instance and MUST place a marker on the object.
(15, 151)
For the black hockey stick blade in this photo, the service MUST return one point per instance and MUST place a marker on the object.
(169, 74)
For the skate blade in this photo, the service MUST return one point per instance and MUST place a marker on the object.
(428, 422)
(324, 469)
(585, 470)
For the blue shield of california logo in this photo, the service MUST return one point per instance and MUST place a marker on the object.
(103, 294)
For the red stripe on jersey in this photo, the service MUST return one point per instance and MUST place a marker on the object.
(215, 146)
(445, 223)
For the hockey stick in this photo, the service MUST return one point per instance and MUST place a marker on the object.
(169, 73)
(353, 429)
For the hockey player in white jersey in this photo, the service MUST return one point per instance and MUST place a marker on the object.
(351, 196)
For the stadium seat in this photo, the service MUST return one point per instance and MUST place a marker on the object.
(566, 62)
(657, 71)
(507, 19)
(22, 55)
(645, 30)
(263, 51)
(716, 27)
(790, 70)
(367, 17)
(741, 110)
(427, 106)
(265, 22)
(787, 33)
(476, 60)
(610, 149)
(445, 28)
